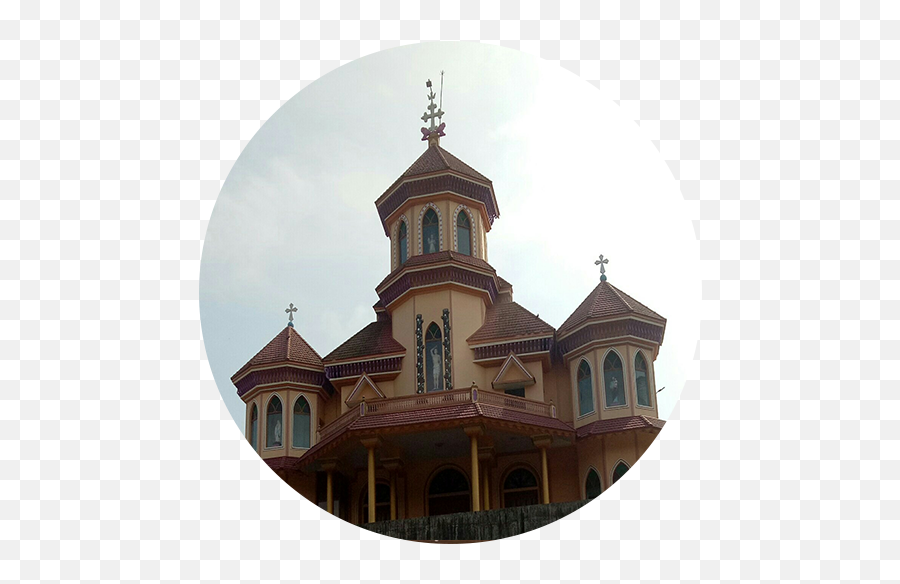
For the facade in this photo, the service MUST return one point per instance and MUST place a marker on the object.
(455, 398)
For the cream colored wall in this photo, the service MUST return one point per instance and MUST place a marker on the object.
(466, 316)
(447, 208)
(557, 387)
(288, 398)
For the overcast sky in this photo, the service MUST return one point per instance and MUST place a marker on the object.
(296, 221)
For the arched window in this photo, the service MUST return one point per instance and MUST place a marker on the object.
(642, 380)
(448, 492)
(300, 425)
(382, 503)
(254, 426)
(585, 389)
(619, 471)
(434, 359)
(274, 428)
(464, 233)
(403, 243)
(431, 235)
(614, 381)
(592, 486)
(520, 488)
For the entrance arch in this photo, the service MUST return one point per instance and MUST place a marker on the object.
(448, 492)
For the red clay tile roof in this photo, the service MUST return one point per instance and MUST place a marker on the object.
(504, 284)
(510, 320)
(606, 301)
(287, 346)
(374, 339)
(619, 425)
(437, 258)
(436, 159)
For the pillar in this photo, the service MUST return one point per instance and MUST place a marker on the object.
(543, 442)
(329, 497)
(473, 432)
(371, 444)
(485, 489)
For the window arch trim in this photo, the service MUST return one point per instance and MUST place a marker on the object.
(309, 415)
(587, 475)
(396, 241)
(272, 398)
(650, 396)
(513, 468)
(474, 240)
(584, 361)
(602, 383)
(612, 473)
(440, 226)
(435, 473)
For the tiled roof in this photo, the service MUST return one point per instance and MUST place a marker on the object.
(504, 284)
(287, 346)
(442, 414)
(437, 258)
(436, 159)
(374, 339)
(619, 425)
(509, 321)
(606, 301)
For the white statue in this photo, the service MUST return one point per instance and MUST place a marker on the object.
(435, 368)
(278, 433)
(432, 243)
(614, 388)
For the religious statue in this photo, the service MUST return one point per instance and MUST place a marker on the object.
(278, 433)
(617, 397)
(432, 244)
(436, 372)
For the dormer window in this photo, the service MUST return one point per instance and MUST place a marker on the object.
(431, 235)
(403, 242)
(464, 233)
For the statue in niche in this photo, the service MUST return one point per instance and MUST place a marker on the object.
(435, 356)
(431, 244)
(278, 433)
(617, 397)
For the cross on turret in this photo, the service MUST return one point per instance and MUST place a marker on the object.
(434, 132)
(602, 263)
(290, 312)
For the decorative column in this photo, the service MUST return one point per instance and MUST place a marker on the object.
(473, 432)
(448, 357)
(543, 442)
(371, 444)
(486, 457)
(329, 466)
(420, 356)
(393, 466)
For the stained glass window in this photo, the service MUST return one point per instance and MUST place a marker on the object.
(434, 359)
(403, 243)
(254, 426)
(431, 235)
(619, 471)
(642, 380)
(585, 389)
(464, 233)
(274, 429)
(520, 488)
(300, 426)
(592, 486)
(614, 380)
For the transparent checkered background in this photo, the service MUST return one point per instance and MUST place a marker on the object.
(118, 125)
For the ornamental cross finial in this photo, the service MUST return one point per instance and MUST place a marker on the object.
(434, 132)
(290, 312)
(602, 263)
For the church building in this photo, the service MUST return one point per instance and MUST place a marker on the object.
(455, 398)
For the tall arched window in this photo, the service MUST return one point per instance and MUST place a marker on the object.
(592, 486)
(403, 243)
(642, 380)
(520, 488)
(434, 359)
(619, 471)
(431, 234)
(448, 492)
(464, 233)
(585, 389)
(382, 503)
(274, 428)
(614, 381)
(300, 425)
(254, 426)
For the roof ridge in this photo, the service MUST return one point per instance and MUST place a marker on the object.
(619, 293)
(440, 152)
(287, 354)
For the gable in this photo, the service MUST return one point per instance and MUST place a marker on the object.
(513, 373)
(366, 389)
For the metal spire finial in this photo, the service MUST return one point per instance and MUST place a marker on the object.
(433, 133)
(602, 263)
(290, 312)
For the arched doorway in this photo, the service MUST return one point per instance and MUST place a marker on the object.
(520, 488)
(448, 492)
(382, 503)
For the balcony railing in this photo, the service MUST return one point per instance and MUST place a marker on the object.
(438, 399)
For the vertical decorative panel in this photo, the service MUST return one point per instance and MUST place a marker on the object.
(448, 383)
(420, 356)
